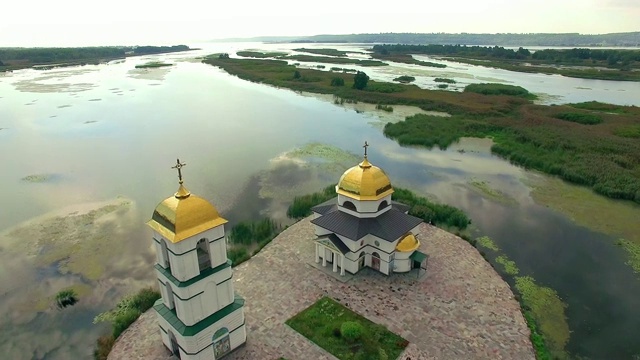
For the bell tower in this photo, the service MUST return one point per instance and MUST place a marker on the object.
(199, 314)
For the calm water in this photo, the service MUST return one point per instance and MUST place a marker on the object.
(109, 130)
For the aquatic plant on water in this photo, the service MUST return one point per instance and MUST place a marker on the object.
(66, 297)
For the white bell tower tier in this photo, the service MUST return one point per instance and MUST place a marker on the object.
(199, 314)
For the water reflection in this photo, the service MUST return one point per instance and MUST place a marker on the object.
(248, 150)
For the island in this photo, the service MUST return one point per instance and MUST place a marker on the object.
(47, 58)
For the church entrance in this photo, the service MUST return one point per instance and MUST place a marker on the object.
(375, 261)
(328, 255)
(175, 349)
(361, 261)
(221, 344)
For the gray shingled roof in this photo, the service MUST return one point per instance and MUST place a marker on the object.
(332, 205)
(337, 242)
(388, 226)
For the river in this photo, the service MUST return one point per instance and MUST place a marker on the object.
(110, 133)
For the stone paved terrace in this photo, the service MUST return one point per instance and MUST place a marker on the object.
(461, 308)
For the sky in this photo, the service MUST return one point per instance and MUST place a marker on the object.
(131, 22)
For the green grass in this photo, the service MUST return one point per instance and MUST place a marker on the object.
(259, 54)
(386, 108)
(122, 316)
(526, 134)
(405, 79)
(633, 253)
(580, 118)
(593, 156)
(406, 59)
(301, 205)
(329, 52)
(485, 189)
(333, 60)
(66, 297)
(509, 266)
(153, 64)
(598, 106)
(616, 75)
(546, 310)
(487, 242)
(499, 89)
(321, 323)
(631, 131)
(444, 80)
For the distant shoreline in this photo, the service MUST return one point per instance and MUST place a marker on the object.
(27, 55)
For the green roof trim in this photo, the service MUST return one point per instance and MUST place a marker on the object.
(204, 274)
(184, 330)
(418, 256)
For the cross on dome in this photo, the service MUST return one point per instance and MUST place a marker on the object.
(179, 167)
(365, 146)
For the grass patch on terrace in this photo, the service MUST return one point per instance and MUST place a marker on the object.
(499, 89)
(345, 334)
(580, 118)
(152, 65)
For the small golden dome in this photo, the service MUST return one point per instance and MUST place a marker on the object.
(408, 243)
(184, 215)
(364, 182)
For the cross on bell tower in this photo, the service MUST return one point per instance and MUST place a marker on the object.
(179, 166)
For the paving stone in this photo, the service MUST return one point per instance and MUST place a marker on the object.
(460, 309)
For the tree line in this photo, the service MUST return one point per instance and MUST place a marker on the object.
(59, 54)
(575, 55)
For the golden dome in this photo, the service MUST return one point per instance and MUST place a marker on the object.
(364, 182)
(184, 215)
(408, 243)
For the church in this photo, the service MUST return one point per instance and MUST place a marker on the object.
(199, 314)
(362, 226)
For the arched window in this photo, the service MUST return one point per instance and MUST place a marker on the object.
(170, 296)
(349, 205)
(221, 344)
(202, 249)
(375, 261)
(383, 205)
(175, 349)
(361, 260)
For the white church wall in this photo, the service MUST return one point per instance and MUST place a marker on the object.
(384, 245)
(321, 231)
(224, 298)
(218, 252)
(209, 300)
(232, 321)
(204, 339)
(199, 286)
(162, 255)
(402, 265)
